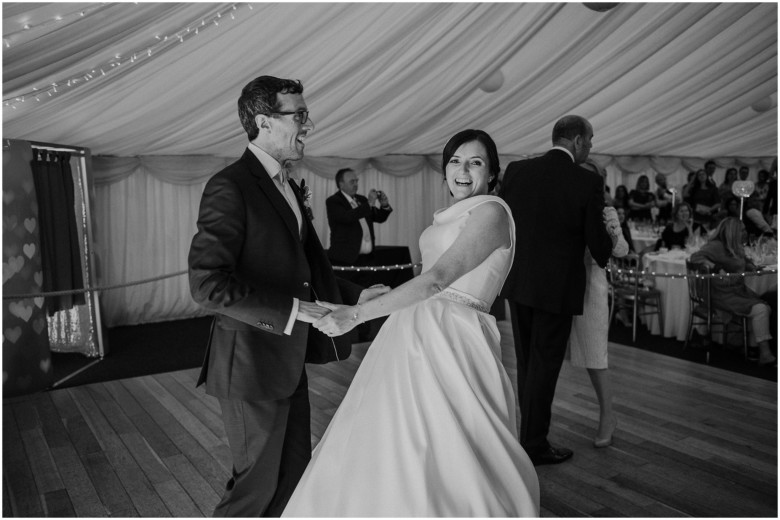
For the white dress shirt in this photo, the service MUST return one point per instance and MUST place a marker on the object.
(365, 244)
(561, 148)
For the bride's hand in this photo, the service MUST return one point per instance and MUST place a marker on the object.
(341, 320)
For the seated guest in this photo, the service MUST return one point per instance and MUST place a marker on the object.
(724, 253)
(641, 200)
(744, 172)
(731, 209)
(621, 213)
(620, 200)
(754, 221)
(703, 198)
(677, 232)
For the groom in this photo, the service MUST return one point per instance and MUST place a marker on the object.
(257, 263)
(557, 207)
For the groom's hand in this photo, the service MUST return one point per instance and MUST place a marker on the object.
(372, 292)
(341, 320)
(310, 312)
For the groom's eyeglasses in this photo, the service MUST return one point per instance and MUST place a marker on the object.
(300, 116)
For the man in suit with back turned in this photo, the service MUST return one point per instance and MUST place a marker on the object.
(257, 263)
(557, 207)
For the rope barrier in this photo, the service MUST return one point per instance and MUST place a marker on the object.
(643, 272)
(90, 289)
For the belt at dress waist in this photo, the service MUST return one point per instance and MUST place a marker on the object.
(464, 299)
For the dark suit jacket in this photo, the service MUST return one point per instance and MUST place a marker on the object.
(246, 263)
(345, 230)
(557, 207)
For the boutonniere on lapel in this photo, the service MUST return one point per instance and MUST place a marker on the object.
(306, 195)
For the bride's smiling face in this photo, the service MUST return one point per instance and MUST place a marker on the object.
(468, 172)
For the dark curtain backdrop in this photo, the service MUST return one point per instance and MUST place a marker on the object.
(61, 257)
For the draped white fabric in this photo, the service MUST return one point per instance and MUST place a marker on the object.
(665, 79)
(145, 226)
(146, 218)
(151, 90)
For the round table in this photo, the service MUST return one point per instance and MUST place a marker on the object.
(642, 240)
(675, 305)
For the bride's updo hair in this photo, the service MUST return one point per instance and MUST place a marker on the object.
(467, 136)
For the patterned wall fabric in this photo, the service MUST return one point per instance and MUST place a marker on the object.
(26, 357)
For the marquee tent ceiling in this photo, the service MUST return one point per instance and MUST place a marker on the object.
(671, 79)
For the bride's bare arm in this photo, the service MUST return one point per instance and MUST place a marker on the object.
(486, 229)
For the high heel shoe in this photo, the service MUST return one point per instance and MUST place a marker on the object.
(771, 362)
(603, 442)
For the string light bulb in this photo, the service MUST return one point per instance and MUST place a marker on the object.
(161, 43)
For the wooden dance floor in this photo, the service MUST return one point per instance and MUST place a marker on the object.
(692, 440)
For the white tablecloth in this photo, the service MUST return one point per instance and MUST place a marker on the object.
(674, 292)
(643, 240)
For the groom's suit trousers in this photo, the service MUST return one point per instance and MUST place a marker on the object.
(270, 442)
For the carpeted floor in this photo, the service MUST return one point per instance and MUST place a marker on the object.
(175, 345)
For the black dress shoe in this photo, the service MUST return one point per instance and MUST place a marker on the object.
(551, 456)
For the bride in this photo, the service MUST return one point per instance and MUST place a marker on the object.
(428, 425)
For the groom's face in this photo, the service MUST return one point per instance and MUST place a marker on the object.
(286, 133)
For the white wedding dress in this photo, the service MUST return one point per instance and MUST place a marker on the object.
(428, 426)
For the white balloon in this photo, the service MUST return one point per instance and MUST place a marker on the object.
(766, 104)
(493, 82)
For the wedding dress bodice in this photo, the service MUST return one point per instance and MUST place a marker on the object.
(485, 281)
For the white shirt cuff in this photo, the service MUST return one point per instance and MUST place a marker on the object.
(293, 314)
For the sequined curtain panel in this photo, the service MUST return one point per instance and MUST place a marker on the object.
(73, 330)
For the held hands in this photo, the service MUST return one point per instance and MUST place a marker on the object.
(342, 319)
(309, 312)
(372, 196)
(313, 312)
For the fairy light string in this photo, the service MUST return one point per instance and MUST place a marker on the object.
(158, 43)
(719, 276)
(57, 19)
(374, 268)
